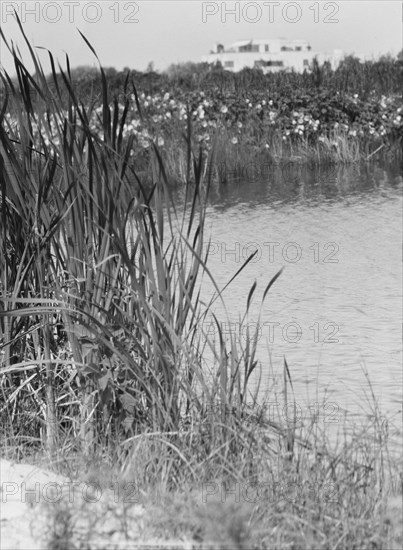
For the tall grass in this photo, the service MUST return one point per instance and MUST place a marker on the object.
(100, 279)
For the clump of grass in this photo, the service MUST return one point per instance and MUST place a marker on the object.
(58, 526)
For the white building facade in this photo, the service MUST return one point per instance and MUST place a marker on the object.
(271, 55)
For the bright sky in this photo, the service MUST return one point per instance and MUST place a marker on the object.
(131, 34)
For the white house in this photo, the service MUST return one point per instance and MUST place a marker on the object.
(271, 54)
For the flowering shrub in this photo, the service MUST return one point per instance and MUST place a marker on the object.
(259, 121)
(306, 116)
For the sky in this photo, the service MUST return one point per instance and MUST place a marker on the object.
(133, 34)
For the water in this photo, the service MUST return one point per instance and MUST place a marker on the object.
(335, 313)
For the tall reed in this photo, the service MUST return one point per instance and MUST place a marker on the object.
(101, 274)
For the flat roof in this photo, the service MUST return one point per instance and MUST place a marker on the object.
(266, 41)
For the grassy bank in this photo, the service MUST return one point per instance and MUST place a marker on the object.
(229, 132)
(265, 127)
(102, 367)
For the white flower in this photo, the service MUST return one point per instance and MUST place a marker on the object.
(234, 140)
(166, 97)
(160, 142)
(224, 109)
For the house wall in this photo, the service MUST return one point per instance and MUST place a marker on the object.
(237, 61)
(233, 60)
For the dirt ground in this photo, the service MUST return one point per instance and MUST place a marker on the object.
(37, 513)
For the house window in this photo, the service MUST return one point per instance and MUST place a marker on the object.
(266, 47)
(274, 64)
(228, 63)
(249, 48)
(298, 48)
(306, 63)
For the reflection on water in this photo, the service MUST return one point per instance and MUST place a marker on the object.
(335, 312)
(293, 184)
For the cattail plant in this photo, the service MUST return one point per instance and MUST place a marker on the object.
(101, 273)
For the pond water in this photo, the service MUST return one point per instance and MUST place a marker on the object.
(335, 313)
